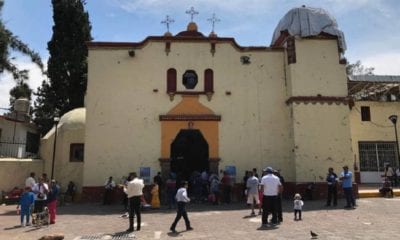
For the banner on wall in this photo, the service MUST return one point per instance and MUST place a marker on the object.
(145, 174)
(231, 170)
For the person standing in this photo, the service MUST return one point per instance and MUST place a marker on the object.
(26, 202)
(30, 181)
(271, 186)
(134, 190)
(40, 189)
(158, 179)
(347, 184)
(52, 201)
(226, 187)
(171, 190)
(155, 197)
(298, 206)
(331, 180)
(214, 188)
(279, 200)
(182, 199)
(390, 174)
(109, 186)
(252, 192)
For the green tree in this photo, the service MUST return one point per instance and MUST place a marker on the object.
(67, 65)
(358, 69)
(21, 90)
(10, 42)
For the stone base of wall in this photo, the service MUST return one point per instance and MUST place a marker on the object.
(312, 191)
(308, 191)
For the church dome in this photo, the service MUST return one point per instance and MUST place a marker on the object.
(74, 119)
(306, 22)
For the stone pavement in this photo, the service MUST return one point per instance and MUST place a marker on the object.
(374, 218)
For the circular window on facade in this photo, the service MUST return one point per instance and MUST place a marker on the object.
(189, 79)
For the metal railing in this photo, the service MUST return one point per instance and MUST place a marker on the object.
(15, 150)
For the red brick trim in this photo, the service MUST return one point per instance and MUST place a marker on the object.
(285, 34)
(194, 117)
(291, 50)
(319, 99)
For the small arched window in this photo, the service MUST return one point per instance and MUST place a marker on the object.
(208, 80)
(171, 80)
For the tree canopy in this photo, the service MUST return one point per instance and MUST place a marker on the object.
(67, 65)
(358, 69)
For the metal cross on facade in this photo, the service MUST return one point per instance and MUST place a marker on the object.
(167, 21)
(214, 20)
(192, 12)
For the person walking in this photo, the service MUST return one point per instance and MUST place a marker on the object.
(134, 190)
(331, 180)
(182, 199)
(271, 186)
(347, 184)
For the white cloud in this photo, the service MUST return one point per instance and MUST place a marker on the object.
(7, 82)
(384, 63)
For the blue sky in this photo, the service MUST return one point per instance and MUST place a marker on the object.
(371, 27)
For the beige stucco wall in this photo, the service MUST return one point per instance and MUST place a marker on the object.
(71, 129)
(380, 128)
(317, 69)
(321, 131)
(121, 103)
(14, 172)
(322, 140)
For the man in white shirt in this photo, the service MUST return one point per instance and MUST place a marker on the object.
(40, 189)
(270, 186)
(134, 190)
(182, 199)
(30, 181)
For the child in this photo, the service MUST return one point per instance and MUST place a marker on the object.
(26, 202)
(298, 205)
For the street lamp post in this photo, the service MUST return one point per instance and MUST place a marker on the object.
(56, 120)
(393, 119)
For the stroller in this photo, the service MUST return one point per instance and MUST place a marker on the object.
(40, 214)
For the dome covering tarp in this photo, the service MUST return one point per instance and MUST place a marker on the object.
(306, 22)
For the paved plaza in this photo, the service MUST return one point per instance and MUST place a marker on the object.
(374, 218)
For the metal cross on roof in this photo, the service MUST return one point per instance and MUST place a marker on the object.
(168, 21)
(214, 20)
(192, 12)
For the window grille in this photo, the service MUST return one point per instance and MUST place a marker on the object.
(374, 155)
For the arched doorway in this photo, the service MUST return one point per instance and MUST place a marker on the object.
(189, 153)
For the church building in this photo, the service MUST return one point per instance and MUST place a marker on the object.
(192, 101)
